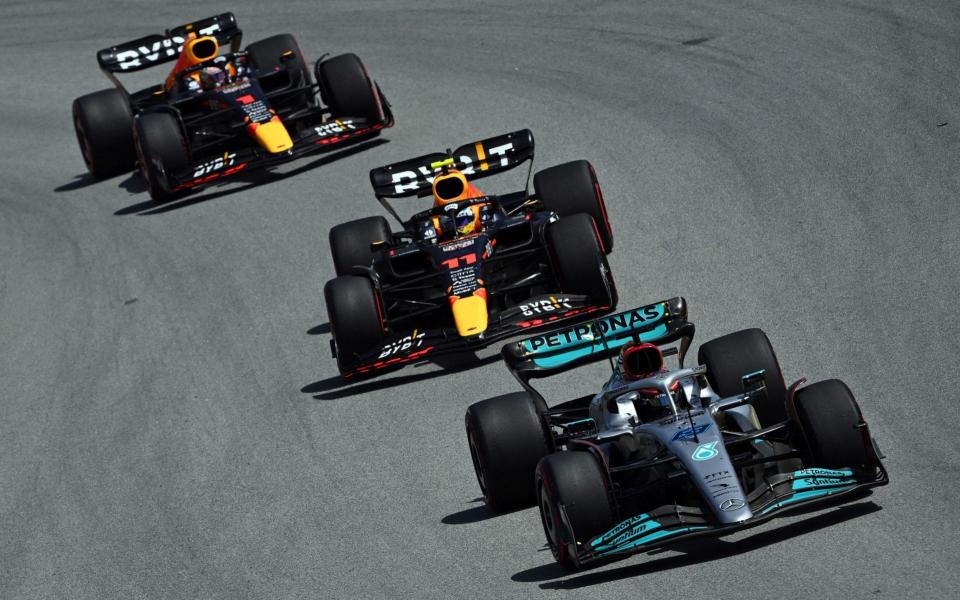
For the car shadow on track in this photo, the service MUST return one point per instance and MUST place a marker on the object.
(338, 387)
(135, 184)
(474, 514)
(695, 551)
(79, 182)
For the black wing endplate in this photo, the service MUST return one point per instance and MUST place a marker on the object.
(478, 159)
(157, 49)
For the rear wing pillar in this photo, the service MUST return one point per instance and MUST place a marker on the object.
(561, 350)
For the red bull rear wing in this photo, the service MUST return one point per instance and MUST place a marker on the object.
(156, 49)
(477, 159)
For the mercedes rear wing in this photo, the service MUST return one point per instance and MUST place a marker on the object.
(564, 349)
(156, 49)
(414, 177)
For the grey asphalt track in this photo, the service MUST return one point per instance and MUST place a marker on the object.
(170, 421)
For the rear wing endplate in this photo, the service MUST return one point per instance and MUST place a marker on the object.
(560, 350)
(157, 49)
(414, 177)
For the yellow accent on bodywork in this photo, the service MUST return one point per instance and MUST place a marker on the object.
(273, 136)
(470, 315)
(440, 163)
(482, 156)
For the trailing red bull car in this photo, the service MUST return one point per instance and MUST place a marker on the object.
(221, 110)
(472, 269)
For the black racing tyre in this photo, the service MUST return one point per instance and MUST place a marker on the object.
(104, 124)
(266, 55)
(161, 151)
(355, 318)
(579, 264)
(575, 480)
(347, 89)
(507, 439)
(832, 426)
(730, 357)
(350, 242)
(573, 188)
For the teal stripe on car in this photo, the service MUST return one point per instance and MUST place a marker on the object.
(807, 495)
(656, 535)
(555, 360)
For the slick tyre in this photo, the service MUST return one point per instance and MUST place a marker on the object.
(354, 314)
(350, 242)
(103, 122)
(161, 151)
(270, 54)
(578, 261)
(347, 89)
(572, 188)
(574, 480)
(832, 426)
(507, 439)
(730, 357)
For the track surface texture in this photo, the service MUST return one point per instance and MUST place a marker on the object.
(171, 423)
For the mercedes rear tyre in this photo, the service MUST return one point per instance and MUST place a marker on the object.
(572, 188)
(730, 357)
(507, 438)
(104, 125)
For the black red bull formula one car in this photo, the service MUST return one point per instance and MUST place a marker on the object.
(221, 110)
(473, 268)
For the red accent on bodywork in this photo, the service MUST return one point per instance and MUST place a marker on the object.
(352, 134)
(596, 232)
(388, 363)
(570, 313)
(376, 299)
(208, 178)
(600, 201)
(644, 347)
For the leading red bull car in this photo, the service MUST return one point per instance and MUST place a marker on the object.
(474, 267)
(221, 110)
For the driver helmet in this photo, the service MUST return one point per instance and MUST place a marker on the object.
(212, 77)
(467, 221)
(451, 186)
(640, 360)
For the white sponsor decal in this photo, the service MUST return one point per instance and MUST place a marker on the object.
(414, 340)
(215, 165)
(406, 181)
(540, 307)
(334, 127)
(169, 47)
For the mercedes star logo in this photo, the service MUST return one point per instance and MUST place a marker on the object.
(731, 504)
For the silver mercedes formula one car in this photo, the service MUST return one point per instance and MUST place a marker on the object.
(659, 455)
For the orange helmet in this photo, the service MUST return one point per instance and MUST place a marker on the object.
(195, 51)
(452, 186)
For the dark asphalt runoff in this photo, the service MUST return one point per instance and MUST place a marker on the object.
(171, 423)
